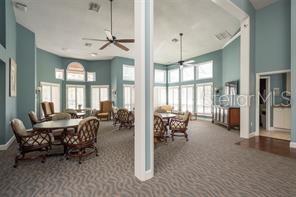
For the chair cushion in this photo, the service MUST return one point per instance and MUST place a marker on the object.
(41, 139)
(71, 139)
(19, 127)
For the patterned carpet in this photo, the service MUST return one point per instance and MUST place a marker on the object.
(210, 164)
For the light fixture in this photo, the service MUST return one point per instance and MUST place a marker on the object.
(93, 54)
(21, 6)
(175, 40)
(94, 7)
(87, 44)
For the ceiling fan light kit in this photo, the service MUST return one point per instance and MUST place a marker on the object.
(110, 38)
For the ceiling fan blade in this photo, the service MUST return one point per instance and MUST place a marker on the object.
(126, 40)
(187, 65)
(189, 62)
(109, 35)
(121, 46)
(105, 45)
(93, 39)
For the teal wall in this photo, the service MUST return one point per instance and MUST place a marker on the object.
(47, 62)
(231, 61)
(26, 75)
(293, 67)
(273, 37)
(9, 103)
(2, 23)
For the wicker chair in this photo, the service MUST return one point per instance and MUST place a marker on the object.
(125, 118)
(29, 141)
(178, 125)
(73, 113)
(115, 116)
(158, 129)
(105, 110)
(84, 139)
(48, 109)
(34, 119)
(57, 134)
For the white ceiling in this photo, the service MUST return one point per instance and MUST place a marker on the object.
(61, 24)
(259, 4)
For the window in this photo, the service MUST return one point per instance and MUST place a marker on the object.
(75, 96)
(129, 97)
(188, 73)
(75, 72)
(91, 76)
(159, 76)
(204, 70)
(159, 96)
(59, 74)
(173, 75)
(98, 94)
(187, 98)
(51, 92)
(128, 73)
(173, 97)
(204, 96)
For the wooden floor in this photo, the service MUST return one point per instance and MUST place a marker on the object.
(271, 145)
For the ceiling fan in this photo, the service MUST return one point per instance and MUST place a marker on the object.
(182, 62)
(110, 38)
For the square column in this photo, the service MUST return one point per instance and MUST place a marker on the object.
(293, 73)
(144, 69)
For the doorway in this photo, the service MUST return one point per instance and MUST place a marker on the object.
(273, 109)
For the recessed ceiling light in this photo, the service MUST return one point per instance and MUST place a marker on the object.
(88, 44)
(21, 6)
(175, 40)
(93, 54)
(94, 7)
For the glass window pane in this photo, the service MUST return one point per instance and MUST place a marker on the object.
(173, 75)
(205, 70)
(160, 76)
(55, 98)
(80, 97)
(204, 99)
(75, 72)
(188, 73)
(95, 98)
(59, 74)
(128, 73)
(91, 76)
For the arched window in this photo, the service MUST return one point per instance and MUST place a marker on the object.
(75, 72)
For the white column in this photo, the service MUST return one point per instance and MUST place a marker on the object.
(245, 78)
(144, 146)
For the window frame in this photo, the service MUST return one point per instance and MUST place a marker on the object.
(182, 96)
(69, 71)
(168, 93)
(59, 70)
(159, 103)
(76, 86)
(165, 76)
(128, 66)
(169, 77)
(182, 73)
(58, 108)
(196, 99)
(202, 63)
(132, 103)
(98, 86)
(95, 76)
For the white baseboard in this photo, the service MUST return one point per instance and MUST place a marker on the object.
(252, 135)
(6, 146)
(292, 144)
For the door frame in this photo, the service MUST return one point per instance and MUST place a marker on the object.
(267, 104)
(258, 76)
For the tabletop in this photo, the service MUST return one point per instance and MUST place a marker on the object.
(167, 115)
(58, 124)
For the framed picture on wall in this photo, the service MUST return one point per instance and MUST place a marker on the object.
(12, 77)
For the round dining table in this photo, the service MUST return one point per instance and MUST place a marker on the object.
(58, 124)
